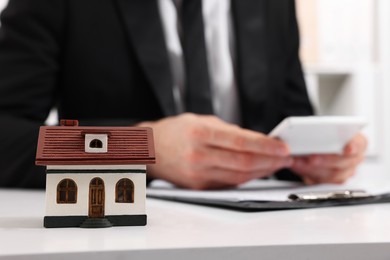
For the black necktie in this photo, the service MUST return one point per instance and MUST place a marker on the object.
(198, 95)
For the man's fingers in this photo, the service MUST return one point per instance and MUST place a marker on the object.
(334, 161)
(312, 174)
(241, 161)
(237, 139)
(230, 178)
(357, 145)
(335, 176)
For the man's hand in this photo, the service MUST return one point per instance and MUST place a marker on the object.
(203, 152)
(316, 169)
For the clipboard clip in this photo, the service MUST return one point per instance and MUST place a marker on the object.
(329, 195)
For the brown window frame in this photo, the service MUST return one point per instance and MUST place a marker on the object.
(123, 190)
(70, 191)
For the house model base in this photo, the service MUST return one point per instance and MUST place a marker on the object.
(86, 222)
(95, 176)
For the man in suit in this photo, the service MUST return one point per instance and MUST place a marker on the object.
(113, 62)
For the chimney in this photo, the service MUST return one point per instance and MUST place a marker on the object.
(69, 122)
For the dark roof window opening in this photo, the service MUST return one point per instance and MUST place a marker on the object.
(96, 143)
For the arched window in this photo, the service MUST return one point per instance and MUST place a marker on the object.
(96, 143)
(124, 191)
(67, 191)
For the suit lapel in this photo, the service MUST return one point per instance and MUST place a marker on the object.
(142, 22)
(249, 18)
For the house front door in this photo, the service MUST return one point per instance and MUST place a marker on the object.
(96, 198)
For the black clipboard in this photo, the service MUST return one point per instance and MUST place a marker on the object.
(300, 200)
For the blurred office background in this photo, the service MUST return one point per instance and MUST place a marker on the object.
(345, 49)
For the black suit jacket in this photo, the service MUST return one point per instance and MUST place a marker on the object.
(104, 62)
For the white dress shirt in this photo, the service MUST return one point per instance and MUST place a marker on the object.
(219, 41)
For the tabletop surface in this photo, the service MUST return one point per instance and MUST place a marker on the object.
(183, 227)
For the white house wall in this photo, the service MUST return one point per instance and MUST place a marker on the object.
(82, 181)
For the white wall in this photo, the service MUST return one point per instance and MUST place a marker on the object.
(81, 207)
(338, 31)
(383, 54)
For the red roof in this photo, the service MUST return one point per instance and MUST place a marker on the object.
(64, 145)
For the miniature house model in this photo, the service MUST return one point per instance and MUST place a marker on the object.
(96, 176)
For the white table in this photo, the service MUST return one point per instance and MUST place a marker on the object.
(181, 231)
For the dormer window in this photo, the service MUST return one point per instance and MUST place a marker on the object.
(96, 143)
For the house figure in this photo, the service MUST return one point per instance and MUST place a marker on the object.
(96, 176)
